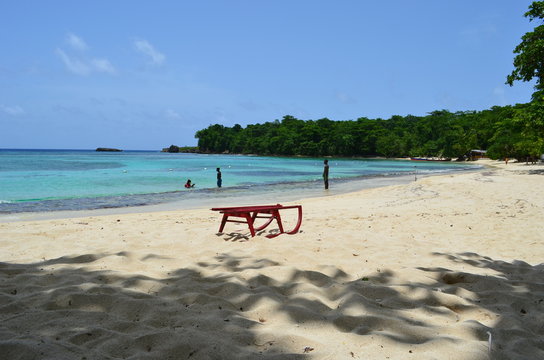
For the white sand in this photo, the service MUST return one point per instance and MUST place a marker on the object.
(426, 270)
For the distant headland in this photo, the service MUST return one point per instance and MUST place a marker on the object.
(107, 149)
(181, 149)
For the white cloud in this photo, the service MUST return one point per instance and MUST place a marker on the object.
(12, 110)
(73, 65)
(103, 65)
(84, 66)
(76, 42)
(147, 49)
(171, 114)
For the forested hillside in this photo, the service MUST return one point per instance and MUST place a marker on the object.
(509, 131)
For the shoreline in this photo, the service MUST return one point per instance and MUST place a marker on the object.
(132, 185)
(234, 196)
(420, 270)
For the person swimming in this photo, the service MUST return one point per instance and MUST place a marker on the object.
(189, 185)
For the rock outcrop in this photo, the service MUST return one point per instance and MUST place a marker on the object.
(107, 149)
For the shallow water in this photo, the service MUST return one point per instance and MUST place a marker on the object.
(52, 180)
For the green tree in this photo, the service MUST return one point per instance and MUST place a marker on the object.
(529, 122)
(389, 145)
(529, 63)
(509, 131)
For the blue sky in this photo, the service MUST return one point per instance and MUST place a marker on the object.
(148, 74)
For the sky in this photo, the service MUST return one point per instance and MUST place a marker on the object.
(143, 75)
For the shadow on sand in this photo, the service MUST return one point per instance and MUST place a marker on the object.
(60, 309)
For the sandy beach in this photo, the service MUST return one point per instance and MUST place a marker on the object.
(445, 267)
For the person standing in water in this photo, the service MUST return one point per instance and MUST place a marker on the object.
(219, 180)
(326, 173)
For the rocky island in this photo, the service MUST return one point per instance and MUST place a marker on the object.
(107, 149)
(181, 149)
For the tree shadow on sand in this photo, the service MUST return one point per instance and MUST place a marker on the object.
(220, 309)
(513, 294)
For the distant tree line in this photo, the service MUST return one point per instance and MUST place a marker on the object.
(508, 131)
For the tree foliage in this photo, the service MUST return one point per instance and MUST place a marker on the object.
(509, 131)
(529, 63)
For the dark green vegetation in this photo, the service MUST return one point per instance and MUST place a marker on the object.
(529, 63)
(509, 131)
(181, 149)
(107, 149)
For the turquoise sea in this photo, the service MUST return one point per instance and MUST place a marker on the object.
(49, 180)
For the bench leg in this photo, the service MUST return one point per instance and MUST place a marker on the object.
(249, 219)
(276, 214)
(223, 222)
(294, 231)
(247, 216)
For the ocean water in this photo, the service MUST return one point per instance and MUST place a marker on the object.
(49, 180)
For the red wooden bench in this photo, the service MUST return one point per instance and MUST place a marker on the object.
(248, 214)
